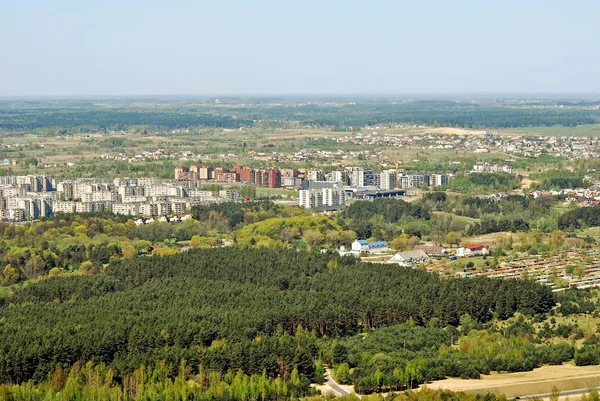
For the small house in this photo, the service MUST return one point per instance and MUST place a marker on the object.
(409, 258)
(473, 250)
(431, 250)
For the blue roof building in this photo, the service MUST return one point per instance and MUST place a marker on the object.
(362, 245)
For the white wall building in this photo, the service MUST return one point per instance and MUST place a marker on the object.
(332, 197)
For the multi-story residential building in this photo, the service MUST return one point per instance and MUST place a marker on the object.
(387, 179)
(438, 180)
(179, 207)
(180, 172)
(328, 196)
(202, 196)
(289, 172)
(246, 174)
(291, 182)
(202, 172)
(362, 178)
(130, 209)
(65, 190)
(315, 175)
(274, 179)
(229, 195)
(337, 176)
(413, 180)
(228, 177)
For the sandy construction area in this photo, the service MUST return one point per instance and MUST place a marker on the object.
(538, 381)
(453, 131)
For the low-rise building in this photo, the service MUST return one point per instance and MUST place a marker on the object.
(360, 246)
(472, 250)
(409, 258)
(431, 250)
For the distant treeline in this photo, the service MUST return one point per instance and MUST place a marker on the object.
(451, 114)
(432, 113)
(112, 119)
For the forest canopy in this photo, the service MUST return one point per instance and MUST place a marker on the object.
(210, 307)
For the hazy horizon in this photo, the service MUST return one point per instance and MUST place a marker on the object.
(350, 96)
(142, 49)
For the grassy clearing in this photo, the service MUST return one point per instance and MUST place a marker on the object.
(592, 232)
(272, 192)
(587, 323)
(492, 239)
(461, 263)
(580, 130)
(382, 258)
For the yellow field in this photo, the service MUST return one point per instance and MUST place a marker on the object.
(538, 381)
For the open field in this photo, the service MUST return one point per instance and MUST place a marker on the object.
(273, 192)
(491, 239)
(591, 231)
(538, 381)
(580, 130)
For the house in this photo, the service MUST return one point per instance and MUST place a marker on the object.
(409, 258)
(139, 222)
(362, 245)
(431, 250)
(473, 250)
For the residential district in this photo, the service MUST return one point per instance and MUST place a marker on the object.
(319, 190)
(30, 197)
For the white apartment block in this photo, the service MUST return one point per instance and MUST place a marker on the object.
(128, 209)
(332, 198)
(387, 179)
(438, 180)
(336, 176)
(229, 195)
(31, 197)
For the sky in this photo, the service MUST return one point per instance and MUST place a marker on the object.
(146, 47)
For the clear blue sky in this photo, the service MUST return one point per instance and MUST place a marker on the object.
(125, 47)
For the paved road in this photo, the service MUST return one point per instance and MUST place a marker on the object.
(334, 385)
(547, 395)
